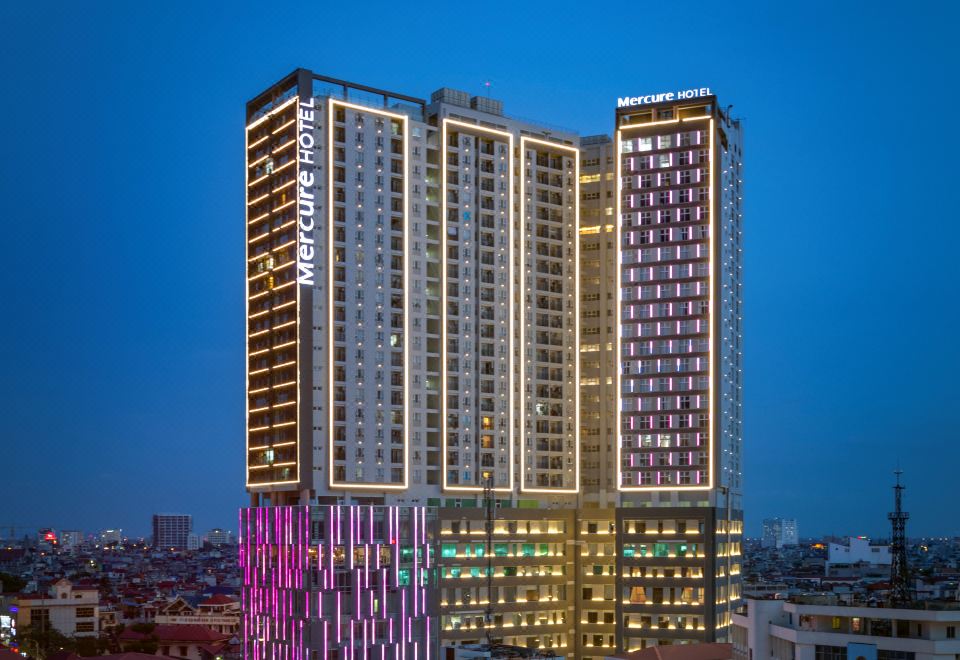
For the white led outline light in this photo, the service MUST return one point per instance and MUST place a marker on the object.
(443, 295)
(248, 297)
(711, 305)
(406, 283)
(576, 387)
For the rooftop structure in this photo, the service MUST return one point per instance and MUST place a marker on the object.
(823, 629)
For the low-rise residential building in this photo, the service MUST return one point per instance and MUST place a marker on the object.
(707, 651)
(857, 550)
(71, 610)
(108, 617)
(219, 613)
(187, 642)
(821, 628)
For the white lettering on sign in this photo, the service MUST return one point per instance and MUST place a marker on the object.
(680, 95)
(305, 197)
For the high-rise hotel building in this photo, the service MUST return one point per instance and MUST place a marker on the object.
(447, 306)
(678, 349)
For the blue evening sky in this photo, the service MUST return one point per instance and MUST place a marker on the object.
(122, 125)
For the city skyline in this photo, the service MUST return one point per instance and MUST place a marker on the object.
(93, 449)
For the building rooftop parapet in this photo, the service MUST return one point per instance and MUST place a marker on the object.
(832, 600)
(588, 140)
(542, 124)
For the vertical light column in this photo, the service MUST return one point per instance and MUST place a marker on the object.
(618, 315)
(476, 130)
(270, 270)
(372, 485)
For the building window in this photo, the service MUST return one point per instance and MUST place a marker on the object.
(830, 653)
(40, 619)
(883, 654)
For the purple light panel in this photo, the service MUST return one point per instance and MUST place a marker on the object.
(310, 589)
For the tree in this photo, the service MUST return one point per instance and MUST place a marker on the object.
(90, 646)
(40, 642)
(11, 582)
(145, 628)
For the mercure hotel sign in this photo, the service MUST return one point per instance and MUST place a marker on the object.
(679, 95)
(305, 195)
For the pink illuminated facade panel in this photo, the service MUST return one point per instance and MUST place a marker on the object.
(337, 582)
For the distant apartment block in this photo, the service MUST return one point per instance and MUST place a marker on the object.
(779, 532)
(857, 550)
(109, 536)
(172, 530)
(218, 537)
(71, 539)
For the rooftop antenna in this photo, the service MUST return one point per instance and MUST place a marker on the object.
(486, 84)
(899, 573)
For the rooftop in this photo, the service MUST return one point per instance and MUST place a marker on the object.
(711, 651)
(175, 633)
(833, 601)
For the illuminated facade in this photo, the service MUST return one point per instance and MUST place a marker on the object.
(598, 330)
(335, 582)
(442, 299)
(678, 321)
(408, 332)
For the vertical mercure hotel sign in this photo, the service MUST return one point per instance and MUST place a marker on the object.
(306, 202)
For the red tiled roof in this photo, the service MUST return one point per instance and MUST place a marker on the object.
(128, 635)
(188, 633)
(177, 633)
(212, 649)
(218, 599)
